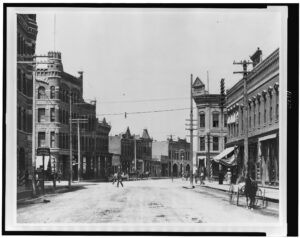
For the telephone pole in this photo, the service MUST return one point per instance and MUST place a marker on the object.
(71, 145)
(245, 72)
(78, 121)
(191, 135)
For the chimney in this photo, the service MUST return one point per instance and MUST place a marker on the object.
(256, 57)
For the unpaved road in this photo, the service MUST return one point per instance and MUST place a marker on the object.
(149, 201)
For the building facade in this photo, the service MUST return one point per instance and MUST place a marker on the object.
(26, 38)
(173, 156)
(144, 152)
(59, 99)
(211, 128)
(263, 119)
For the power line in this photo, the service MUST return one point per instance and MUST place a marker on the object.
(145, 100)
(144, 112)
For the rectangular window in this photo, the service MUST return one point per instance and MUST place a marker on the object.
(41, 115)
(271, 109)
(225, 120)
(202, 143)
(215, 143)
(52, 114)
(41, 139)
(52, 139)
(265, 112)
(242, 119)
(254, 116)
(84, 165)
(258, 109)
(249, 117)
(202, 120)
(215, 119)
(225, 140)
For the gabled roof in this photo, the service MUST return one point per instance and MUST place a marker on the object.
(145, 134)
(198, 83)
(127, 133)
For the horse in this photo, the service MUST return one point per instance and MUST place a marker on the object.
(250, 191)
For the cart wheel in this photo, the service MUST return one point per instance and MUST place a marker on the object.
(231, 194)
(258, 198)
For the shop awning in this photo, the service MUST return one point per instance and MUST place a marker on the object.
(223, 154)
(229, 161)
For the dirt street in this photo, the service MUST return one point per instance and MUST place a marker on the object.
(148, 201)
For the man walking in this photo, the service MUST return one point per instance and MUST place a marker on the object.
(119, 178)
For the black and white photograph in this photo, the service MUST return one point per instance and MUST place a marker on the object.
(159, 119)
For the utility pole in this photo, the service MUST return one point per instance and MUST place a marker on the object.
(78, 121)
(208, 155)
(33, 152)
(134, 141)
(71, 145)
(222, 104)
(245, 72)
(191, 135)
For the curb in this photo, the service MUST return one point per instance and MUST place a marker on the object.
(274, 200)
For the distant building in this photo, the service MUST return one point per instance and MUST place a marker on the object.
(26, 38)
(263, 118)
(144, 152)
(173, 156)
(211, 127)
(122, 148)
(55, 90)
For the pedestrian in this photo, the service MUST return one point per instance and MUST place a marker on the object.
(119, 178)
(114, 179)
(201, 176)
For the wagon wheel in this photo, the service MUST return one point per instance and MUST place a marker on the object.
(258, 197)
(231, 194)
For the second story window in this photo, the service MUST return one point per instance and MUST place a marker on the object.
(225, 120)
(215, 119)
(265, 111)
(52, 114)
(202, 143)
(215, 143)
(41, 139)
(202, 120)
(41, 93)
(52, 139)
(41, 115)
(271, 108)
(52, 92)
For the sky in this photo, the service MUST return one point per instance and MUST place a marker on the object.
(137, 60)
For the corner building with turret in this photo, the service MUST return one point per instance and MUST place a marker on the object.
(59, 98)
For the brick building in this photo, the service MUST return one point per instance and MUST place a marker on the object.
(26, 38)
(144, 152)
(56, 90)
(173, 156)
(263, 118)
(211, 127)
(131, 149)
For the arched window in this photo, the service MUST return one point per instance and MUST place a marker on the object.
(41, 92)
(52, 92)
